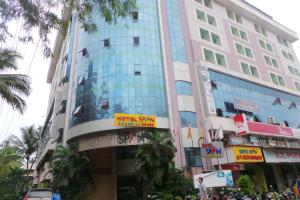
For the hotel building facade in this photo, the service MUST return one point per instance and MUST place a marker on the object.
(204, 70)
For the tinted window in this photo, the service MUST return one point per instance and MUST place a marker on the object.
(40, 194)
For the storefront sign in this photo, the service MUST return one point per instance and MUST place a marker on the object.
(242, 104)
(246, 127)
(247, 154)
(240, 124)
(215, 179)
(134, 120)
(281, 156)
(232, 167)
(212, 150)
(210, 102)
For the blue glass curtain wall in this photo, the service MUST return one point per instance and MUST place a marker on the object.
(229, 88)
(117, 71)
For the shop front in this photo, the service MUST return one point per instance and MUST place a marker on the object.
(285, 164)
(244, 160)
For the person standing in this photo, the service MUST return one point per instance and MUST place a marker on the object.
(56, 195)
(202, 194)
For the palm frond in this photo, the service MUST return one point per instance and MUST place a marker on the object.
(8, 59)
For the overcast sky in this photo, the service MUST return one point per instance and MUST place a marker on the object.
(285, 12)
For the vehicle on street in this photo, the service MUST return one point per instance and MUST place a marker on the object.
(39, 194)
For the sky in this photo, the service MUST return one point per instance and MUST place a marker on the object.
(36, 66)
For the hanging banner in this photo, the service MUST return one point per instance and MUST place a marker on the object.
(212, 150)
(240, 124)
(134, 120)
(247, 154)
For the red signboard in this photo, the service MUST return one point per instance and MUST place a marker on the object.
(230, 167)
(245, 127)
(269, 129)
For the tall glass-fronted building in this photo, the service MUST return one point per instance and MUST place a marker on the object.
(191, 66)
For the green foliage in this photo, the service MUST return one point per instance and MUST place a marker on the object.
(154, 159)
(72, 171)
(165, 196)
(12, 86)
(246, 185)
(12, 180)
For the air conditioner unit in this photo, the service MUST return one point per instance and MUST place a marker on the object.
(271, 120)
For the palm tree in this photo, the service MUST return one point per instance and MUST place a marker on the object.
(27, 146)
(12, 85)
(71, 170)
(154, 159)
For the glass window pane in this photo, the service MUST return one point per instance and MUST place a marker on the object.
(262, 44)
(264, 32)
(204, 34)
(235, 31)
(201, 15)
(239, 18)
(183, 88)
(291, 57)
(243, 35)
(285, 54)
(274, 79)
(248, 52)
(291, 69)
(275, 63)
(188, 119)
(281, 81)
(257, 28)
(220, 59)
(239, 49)
(216, 39)
(208, 3)
(268, 60)
(245, 68)
(211, 20)
(254, 71)
(230, 14)
(200, 1)
(209, 56)
(297, 72)
(269, 47)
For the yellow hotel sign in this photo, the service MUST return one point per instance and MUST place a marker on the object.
(247, 154)
(134, 120)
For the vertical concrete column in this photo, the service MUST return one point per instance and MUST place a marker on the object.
(278, 177)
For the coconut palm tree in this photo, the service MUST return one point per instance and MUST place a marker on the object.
(72, 171)
(154, 159)
(12, 86)
(27, 146)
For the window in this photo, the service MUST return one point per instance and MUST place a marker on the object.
(216, 39)
(265, 45)
(285, 55)
(60, 137)
(211, 20)
(183, 88)
(208, 3)
(234, 16)
(200, 1)
(206, 17)
(243, 50)
(277, 79)
(106, 43)
(220, 59)
(271, 61)
(188, 119)
(294, 71)
(193, 157)
(210, 37)
(135, 16)
(201, 15)
(259, 29)
(209, 56)
(283, 42)
(137, 70)
(249, 70)
(214, 57)
(204, 34)
(288, 56)
(136, 41)
(243, 35)
(291, 57)
(234, 31)
(297, 85)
